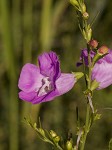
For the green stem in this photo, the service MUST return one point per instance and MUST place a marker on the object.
(86, 127)
(89, 62)
(87, 122)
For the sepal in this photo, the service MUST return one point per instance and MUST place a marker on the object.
(94, 85)
(78, 75)
(98, 56)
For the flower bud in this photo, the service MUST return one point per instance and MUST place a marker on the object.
(53, 134)
(93, 44)
(74, 3)
(41, 131)
(83, 6)
(35, 125)
(69, 145)
(89, 34)
(57, 139)
(85, 15)
(103, 50)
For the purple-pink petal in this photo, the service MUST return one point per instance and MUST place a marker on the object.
(102, 73)
(107, 58)
(63, 84)
(30, 78)
(29, 97)
(84, 55)
(44, 83)
(49, 65)
(48, 97)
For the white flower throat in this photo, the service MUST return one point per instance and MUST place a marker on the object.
(46, 86)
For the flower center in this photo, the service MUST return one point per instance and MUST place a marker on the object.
(46, 86)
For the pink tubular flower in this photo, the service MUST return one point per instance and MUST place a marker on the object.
(102, 70)
(44, 83)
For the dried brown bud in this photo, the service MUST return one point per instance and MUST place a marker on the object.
(103, 50)
(93, 44)
(85, 15)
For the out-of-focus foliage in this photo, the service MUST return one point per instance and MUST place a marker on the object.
(27, 28)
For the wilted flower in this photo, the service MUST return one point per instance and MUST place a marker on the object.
(44, 83)
(102, 70)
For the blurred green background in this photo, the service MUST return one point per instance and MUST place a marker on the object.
(28, 28)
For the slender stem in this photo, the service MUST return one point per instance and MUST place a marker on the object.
(89, 62)
(88, 85)
(86, 130)
(86, 127)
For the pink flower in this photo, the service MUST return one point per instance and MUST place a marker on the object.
(44, 83)
(102, 70)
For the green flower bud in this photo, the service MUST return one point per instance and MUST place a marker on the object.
(83, 8)
(74, 3)
(69, 145)
(35, 125)
(41, 131)
(89, 34)
(53, 134)
(56, 139)
(97, 117)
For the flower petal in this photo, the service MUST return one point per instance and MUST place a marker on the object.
(107, 58)
(65, 83)
(49, 65)
(30, 78)
(84, 55)
(27, 96)
(102, 72)
(48, 97)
